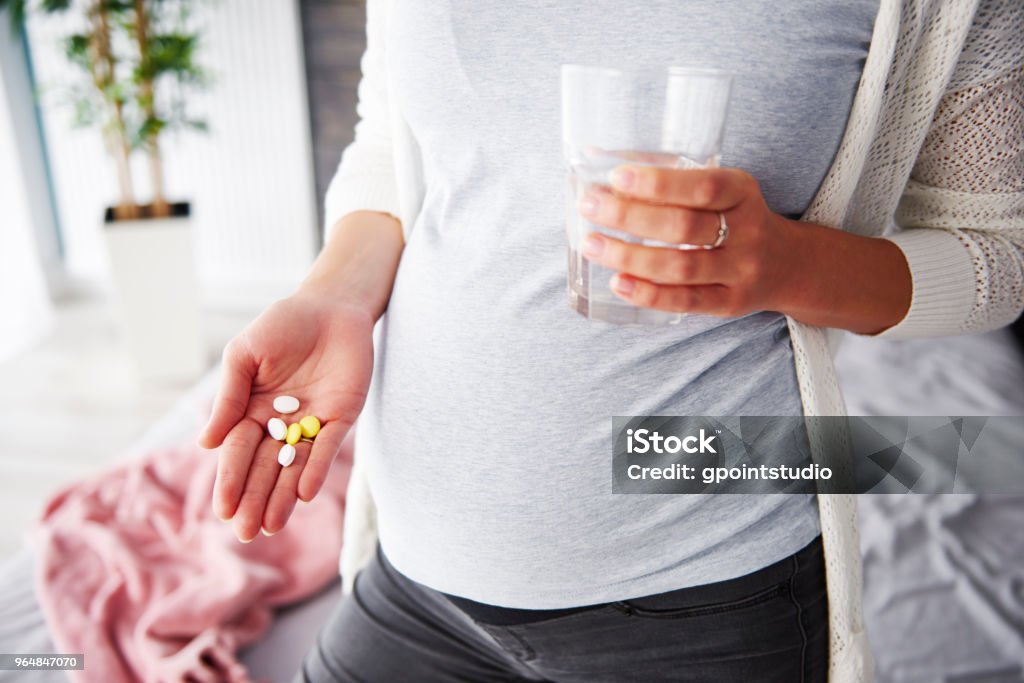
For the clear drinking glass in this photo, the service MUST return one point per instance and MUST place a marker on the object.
(670, 117)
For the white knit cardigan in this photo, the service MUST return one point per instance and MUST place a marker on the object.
(933, 153)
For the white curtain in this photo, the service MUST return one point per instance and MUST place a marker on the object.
(26, 312)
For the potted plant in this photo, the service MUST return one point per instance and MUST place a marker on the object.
(136, 61)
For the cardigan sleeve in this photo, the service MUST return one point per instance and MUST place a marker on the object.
(365, 179)
(962, 212)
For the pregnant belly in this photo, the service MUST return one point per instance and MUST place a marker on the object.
(491, 362)
(487, 435)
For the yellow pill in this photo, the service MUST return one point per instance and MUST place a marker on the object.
(294, 434)
(310, 426)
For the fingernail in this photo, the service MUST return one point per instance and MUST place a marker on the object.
(242, 540)
(623, 285)
(622, 177)
(266, 533)
(593, 246)
(588, 207)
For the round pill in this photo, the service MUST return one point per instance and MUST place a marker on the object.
(286, 404)
(294, 433)
(286, 456)
(277, 428)
(310, 426)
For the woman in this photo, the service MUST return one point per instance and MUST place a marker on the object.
(483, 435)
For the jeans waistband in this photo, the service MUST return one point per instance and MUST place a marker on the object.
(809, 556)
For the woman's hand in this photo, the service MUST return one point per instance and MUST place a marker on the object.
(306, 346)
(768, 262)
(681, 207)
(316, 346)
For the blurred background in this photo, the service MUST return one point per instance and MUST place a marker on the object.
(110, 332)
(279, 106)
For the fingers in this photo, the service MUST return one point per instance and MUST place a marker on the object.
(304, 478)
(710, 189)
(282, 498)
(659, 264)
(263, 475)
(704, 299)
(254, 491)
(325, 448)
(234, 459)
(672, 224)
(232, 396)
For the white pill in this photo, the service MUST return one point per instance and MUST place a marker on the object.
(286, 456)
(286, 404)
(277, 428)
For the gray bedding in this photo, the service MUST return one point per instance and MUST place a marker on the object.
(944, 575)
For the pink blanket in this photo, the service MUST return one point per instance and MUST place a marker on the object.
(136, 572)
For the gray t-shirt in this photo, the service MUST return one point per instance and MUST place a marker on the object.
(487, 431)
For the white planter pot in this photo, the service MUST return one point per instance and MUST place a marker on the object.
(157, 293)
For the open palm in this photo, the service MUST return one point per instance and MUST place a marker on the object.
(318, 352)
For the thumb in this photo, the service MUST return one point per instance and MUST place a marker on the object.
(237, 371)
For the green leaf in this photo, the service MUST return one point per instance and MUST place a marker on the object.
(170, 53)
(118, 6)
(55, 5)
(151, 128)
(76, 49)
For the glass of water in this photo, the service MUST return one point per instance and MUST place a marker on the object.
(672, 117)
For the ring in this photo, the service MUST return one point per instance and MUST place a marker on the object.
(723, 232)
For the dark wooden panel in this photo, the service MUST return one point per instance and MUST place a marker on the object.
(334, 37)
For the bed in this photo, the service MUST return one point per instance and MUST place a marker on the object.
(944, 575)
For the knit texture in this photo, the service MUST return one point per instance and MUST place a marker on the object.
(932, 150)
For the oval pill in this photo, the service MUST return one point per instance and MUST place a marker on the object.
(310, 426)
(294, 433)
(286, 404)
(286, 456)
(277, 428)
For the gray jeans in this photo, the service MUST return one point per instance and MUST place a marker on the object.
(771, 625)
